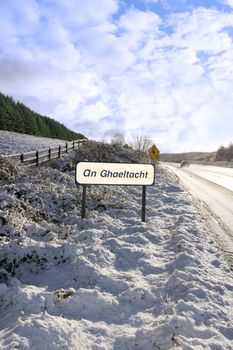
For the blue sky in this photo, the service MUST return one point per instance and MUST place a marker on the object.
(161, 68)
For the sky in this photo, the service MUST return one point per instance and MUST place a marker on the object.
(159, 68)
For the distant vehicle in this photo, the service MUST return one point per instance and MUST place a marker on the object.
(184, 163)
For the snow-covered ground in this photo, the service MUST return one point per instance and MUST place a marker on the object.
(108, 281)
(213, 187)
(13, 143)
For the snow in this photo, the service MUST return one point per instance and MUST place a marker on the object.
(13, 143)
(108, 281)
(212, 188)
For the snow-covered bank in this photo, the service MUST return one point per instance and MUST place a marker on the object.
(12, 142)
(109, 281)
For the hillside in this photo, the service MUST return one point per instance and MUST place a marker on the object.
(13, 142)
(108, 281)
(190, 156)
(15, 116)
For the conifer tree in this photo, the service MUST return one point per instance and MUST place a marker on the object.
(19, 118)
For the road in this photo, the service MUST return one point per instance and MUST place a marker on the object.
(217, 175)
(212, 188)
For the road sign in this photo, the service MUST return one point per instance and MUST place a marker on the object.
(96, 173)
(154, 152)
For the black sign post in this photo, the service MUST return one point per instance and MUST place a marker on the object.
(84, 202)
(143, 203)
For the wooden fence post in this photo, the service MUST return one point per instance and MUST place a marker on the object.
(37, 158)
(66, 147)
(49, 153)
(59, 151)
(22, 157)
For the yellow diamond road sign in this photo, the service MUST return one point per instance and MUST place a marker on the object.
(153, 152)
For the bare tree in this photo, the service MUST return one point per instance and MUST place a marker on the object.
(141, 144)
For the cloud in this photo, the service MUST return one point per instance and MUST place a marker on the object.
(100, 66)
(73, 14)
(228, 2)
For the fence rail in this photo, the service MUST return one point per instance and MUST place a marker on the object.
(43, 155)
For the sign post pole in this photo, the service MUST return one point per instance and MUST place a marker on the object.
(84, 202)
(143, 203)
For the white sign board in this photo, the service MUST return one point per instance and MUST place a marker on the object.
(96, 173)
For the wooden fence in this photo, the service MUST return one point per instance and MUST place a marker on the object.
(43, 155)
